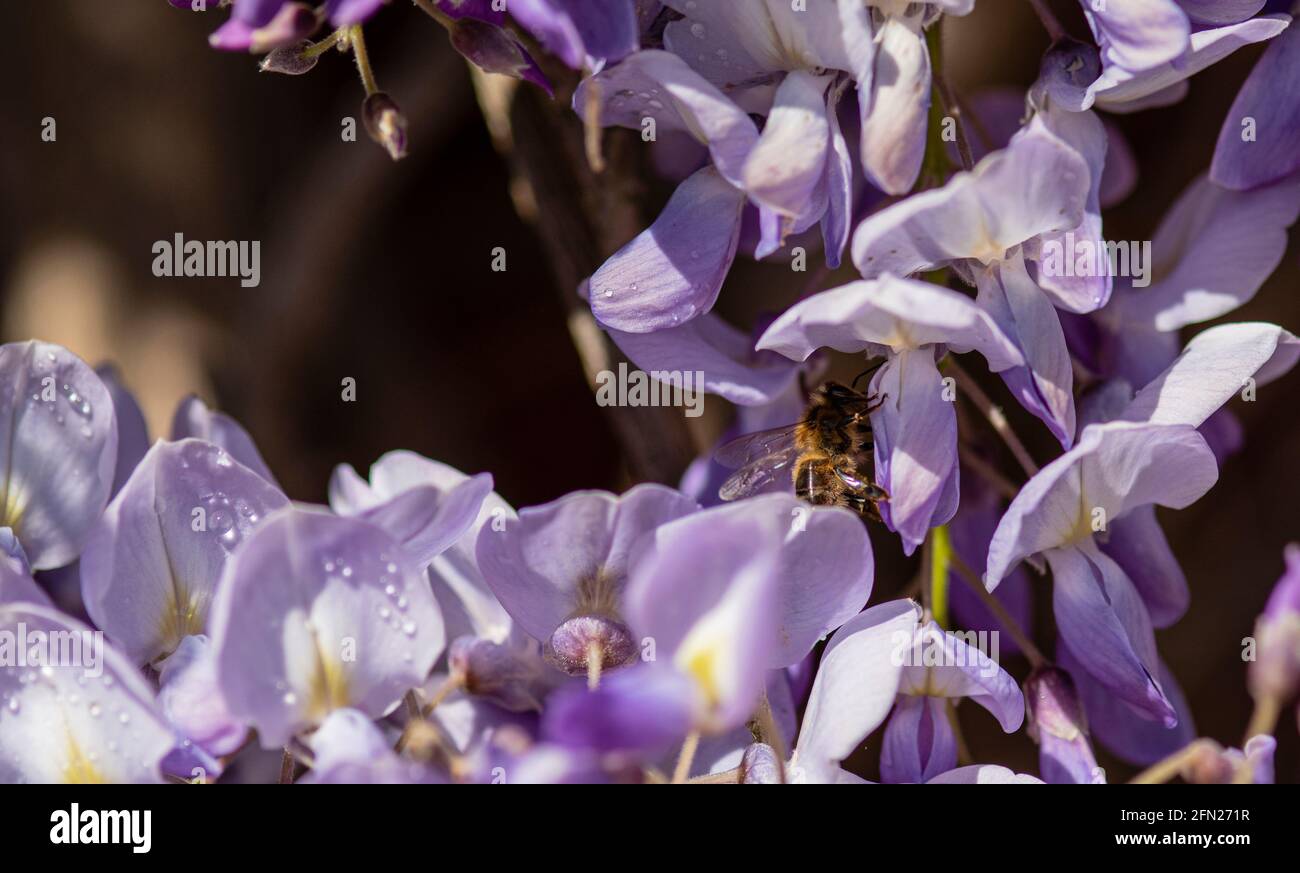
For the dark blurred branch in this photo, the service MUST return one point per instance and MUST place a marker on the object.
(582, 217)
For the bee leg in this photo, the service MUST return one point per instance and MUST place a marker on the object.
(874, 403)
(804, 488)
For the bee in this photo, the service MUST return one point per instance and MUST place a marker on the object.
(826, 453)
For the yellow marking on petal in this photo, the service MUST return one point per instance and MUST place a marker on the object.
(13, 505)
(79, 770)
(328, 690)
(182, 616)
(701, 665)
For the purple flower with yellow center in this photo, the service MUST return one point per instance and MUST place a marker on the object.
(989, 225)
(95, 721)
(350, 623)
(1059, 514)
(911, 324)
(60, 439)
(939, 667)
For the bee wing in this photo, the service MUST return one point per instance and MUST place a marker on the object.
(754, 446)
(760, 473)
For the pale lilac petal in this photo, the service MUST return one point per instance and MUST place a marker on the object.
(153, 561)
(1101, 618)
(962, 670)
(94, 721)
(350, 622)
(195, 419)
(17, 584)
(1138, 35)
(915, 449)
(708, 345)
(789, 159)
(59, 434)
(1207, 47)
(1213, 367)
(132, 433)
(426, 520)
(349, 749)
(837, 223)
(1271, 99)
(673, 271)
(895, 115)
(919, 743)
(542, 564)
(644, 709)
(1138, 545)
(854, 689)
(900, 313)
(1220, 11)
(709, 606)
(730, 43)
(983, 774)
(191, 701)
(1114, 468)
(1058, 724)
(1044, 386)
(1214, 249)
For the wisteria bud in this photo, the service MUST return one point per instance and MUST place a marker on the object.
(500, 672)
(575, 642)
(488, 47)
(385, 123)
(1057, 724)
(760, 766)
(290, 60)
(1275, 672)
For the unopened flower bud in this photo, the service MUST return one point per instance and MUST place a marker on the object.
(488, 47)
(1275, 673)
(760, 766)
(290, 60)
(583, 637)
(1057, 724)
(385, 123)
(509, 677)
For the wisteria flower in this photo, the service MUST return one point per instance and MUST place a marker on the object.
(915, 428)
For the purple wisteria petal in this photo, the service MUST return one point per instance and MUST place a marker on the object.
(945, 665)
(1220, 11)
(899, 313)
(915, 448)
(919, 743)
(1114, 468)
(1059, 726)
(1036, 185)
(1119, 90)
(569, 558)
(1137, 35)
(495, 49)
(724, 355)
(1214, 366)
(132, 433)
(349, 749)
(580, 32)
(59, 434)
(423, 512)
(660, 85)
(1125, 731)
(17, 584)
(789, 159)
(1102, 619)
(81, 714)
(705, 593)
(854, 689)
(350, 622)
(1214, 249)
(1270, 98)
(194, 419)
(837, 223)
(895, 116)
(344, 12)
(984, 774)
(1045, 385)
(1138, 545)
(643, 709)
(151, 566)
(191, 701)
(672, 271)
(259, 26)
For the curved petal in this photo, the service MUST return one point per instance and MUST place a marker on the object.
(983, 774)
(571, 555)
(1270, 98)
(81, 714)
(58, 433)
(950, 667)
(919, 743)
(152, 564)
(672, 271)
(1138, 545)
(350, 622)
(896, 109)
(194, 419)
(580, 32)
(1138, 35)
(191, 701)
(789, 159)
(645, 708)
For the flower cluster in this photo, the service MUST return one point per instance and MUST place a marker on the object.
(421, 629)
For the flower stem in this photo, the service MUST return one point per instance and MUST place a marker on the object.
(435, 13)
(994, 414)
(1164, 770)
(999, 611)
(686, 757)
(286, 767)
(317, 49)
(363, 59)
(1049, 19)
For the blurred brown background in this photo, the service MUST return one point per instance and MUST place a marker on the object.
(381, 272)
